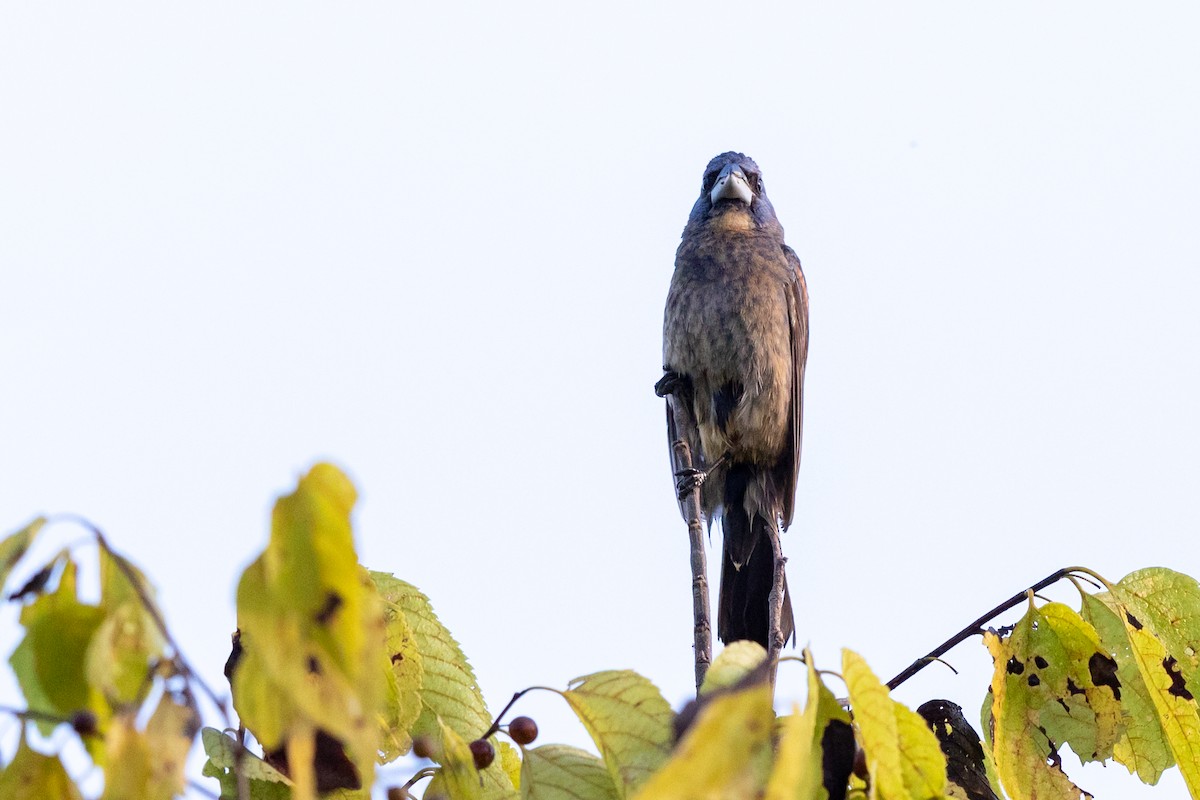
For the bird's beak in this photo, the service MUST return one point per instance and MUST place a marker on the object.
(731, 185)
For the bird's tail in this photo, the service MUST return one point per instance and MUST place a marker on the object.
(747, 569)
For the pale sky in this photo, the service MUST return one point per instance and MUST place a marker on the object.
(432, 244)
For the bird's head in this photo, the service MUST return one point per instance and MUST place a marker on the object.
(733, 196)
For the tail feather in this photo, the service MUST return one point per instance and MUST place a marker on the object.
(747, 573)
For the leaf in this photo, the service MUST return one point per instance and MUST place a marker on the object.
(559, 772)
(403, 705)
(1027, 762)
(735, 662)
(266, 782)
(121, 653)
(904, 759)
(1143, 746)
(447, 686)
(13, 547)
(724, 752)
(1090, 695)
(129, 757)
(629, 721)
(1158, 609)
(312, 628)
(170, 732)
(458, 774)
(816, 749)
(33, 776)
(49, 661)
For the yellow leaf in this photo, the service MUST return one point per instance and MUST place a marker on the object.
(129, 759)
(170, 732)
(13, 546)
(559, 772)
(312, 628)
(458, 773)
(721, 755)
(1143, 746)
(1026, 761)
(629, 721)
(1152, 606)
(820, 735)
(904, 759)
(33, 776)
(735, 662)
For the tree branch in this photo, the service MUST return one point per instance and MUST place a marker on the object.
(683, 427)
(975, 627)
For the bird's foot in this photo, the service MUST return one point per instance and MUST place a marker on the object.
(670, 383)
(688, 481)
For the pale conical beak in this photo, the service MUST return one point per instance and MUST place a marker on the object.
(731, 185)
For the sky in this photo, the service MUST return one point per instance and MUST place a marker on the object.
(432, 244)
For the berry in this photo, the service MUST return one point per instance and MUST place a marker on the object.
(84, 722)
(423, 747)
(523, 730)
(483, 752)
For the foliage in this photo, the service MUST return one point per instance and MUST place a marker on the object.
(337, 669)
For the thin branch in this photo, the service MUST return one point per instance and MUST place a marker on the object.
(682, 426)
(976, 627)
(775, 601)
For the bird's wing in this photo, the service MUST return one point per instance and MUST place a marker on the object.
(798, 317)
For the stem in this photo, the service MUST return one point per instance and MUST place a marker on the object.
(976, 626)
(517, 696)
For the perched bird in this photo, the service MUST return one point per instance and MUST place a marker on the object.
(735, 340)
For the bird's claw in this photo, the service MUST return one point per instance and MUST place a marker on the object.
(688, 481)
(669, 383)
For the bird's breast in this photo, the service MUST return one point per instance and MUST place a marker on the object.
(727, 327)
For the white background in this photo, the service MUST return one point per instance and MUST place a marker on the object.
(433, 245)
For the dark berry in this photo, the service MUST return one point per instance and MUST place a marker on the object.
(84, 722)
(860, 763)
(523, 730)
(398, 793)
(483, 752)
(423, 747)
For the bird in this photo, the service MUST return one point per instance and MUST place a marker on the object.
(735, 344)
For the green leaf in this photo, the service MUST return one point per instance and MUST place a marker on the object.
(50, 661)
(735, 662)
(903, 756)
(403, 705)
(446, 684)
(33, 776)
(458, 774)
(725, 752)
(559, 772)
(13, 547)
(799, 771)
(266, 782)
(1027, 762)
(122, 652)
(1090, 695)
(629, 721)
(1143, 746)
(312, 628)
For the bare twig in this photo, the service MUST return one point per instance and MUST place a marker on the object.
(683, 428)
(976, 627)
(775, 601)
